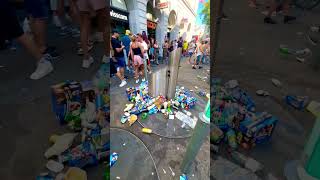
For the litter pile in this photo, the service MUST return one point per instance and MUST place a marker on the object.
(146, 105)
(235, 119)
(84, 107)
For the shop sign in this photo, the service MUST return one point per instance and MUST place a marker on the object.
(162, 5)
(118, 15)
(151, 25)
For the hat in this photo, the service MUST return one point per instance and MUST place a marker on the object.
(128, 32)
(115, 31)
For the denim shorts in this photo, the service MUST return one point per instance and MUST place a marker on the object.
(121, 63)
(37, 9)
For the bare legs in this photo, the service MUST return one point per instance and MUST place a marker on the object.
(84, 32)
(31, 47)
(39, 31)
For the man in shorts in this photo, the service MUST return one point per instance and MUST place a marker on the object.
(87, 8)
(119, 56)
(191, 49)
(13, 30)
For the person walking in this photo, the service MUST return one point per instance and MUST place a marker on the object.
(136, 52)
(119, 57)
(126, 42)
(13, 30)
(199, 56)
(87, 8)
(191, 49)
(145, 48)
(274, 5)
(165, 48)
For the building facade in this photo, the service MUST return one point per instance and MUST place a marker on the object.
(158, 18)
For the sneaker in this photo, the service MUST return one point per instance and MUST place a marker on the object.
(44, 67)
(105, 59)
(80, 50)
(137, 81)
(123, 83)
(200, 67)
(268, 20)
(56, 21)
(87, 62)
(311, 40)
(288, 19)
(143, 80)
(193, 67)
(150, 72)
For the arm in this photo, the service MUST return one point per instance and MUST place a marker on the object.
(131, 53)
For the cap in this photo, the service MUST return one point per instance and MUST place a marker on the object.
(115, 31)
(128, 32)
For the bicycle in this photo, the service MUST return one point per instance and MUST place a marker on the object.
(306, 4)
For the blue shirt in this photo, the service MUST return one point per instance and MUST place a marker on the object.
(126, 42)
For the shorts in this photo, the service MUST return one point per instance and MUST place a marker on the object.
(11, 29)
(137, 60)
(151, 51)
(37, 9)
(121, 63)
(190, 53)
(54, 4)
(199, 59)
(88, 5)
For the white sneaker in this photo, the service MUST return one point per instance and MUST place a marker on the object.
(123, 83)
(144, 79)
(87, 62)
(150, 72)
(137, 81)
(105, 59)
(44, 68)
(56, 21)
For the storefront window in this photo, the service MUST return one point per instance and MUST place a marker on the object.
(120, 4)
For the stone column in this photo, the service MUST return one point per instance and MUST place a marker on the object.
(138, 18)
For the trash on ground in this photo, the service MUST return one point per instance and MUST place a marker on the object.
(231, 84)
(113, 158)
(298, 102)
(61, 144)
(183, 177)
(276, 82)
(262, 93)
(172, 173)
(54, 166)
(300, 59)
(233, 112)
(75, 173)
(146, 130)
(314, 108)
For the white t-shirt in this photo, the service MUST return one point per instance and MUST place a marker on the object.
(192, 47)
(145, 47)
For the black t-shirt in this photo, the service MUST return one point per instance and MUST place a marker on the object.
(180, 44)
(116, 44)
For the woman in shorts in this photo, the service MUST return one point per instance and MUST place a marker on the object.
(136, 52)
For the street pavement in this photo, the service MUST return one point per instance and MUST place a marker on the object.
(166, 147)
(248, 51)
(27, 120)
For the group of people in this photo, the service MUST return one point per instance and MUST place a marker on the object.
(200, 50)
(132, 52)
(274, 7)
(79, 12)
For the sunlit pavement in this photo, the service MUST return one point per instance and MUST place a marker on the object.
(167, 153)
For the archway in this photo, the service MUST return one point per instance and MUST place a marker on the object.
(172, 21)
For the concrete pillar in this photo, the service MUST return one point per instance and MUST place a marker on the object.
(137, 17)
